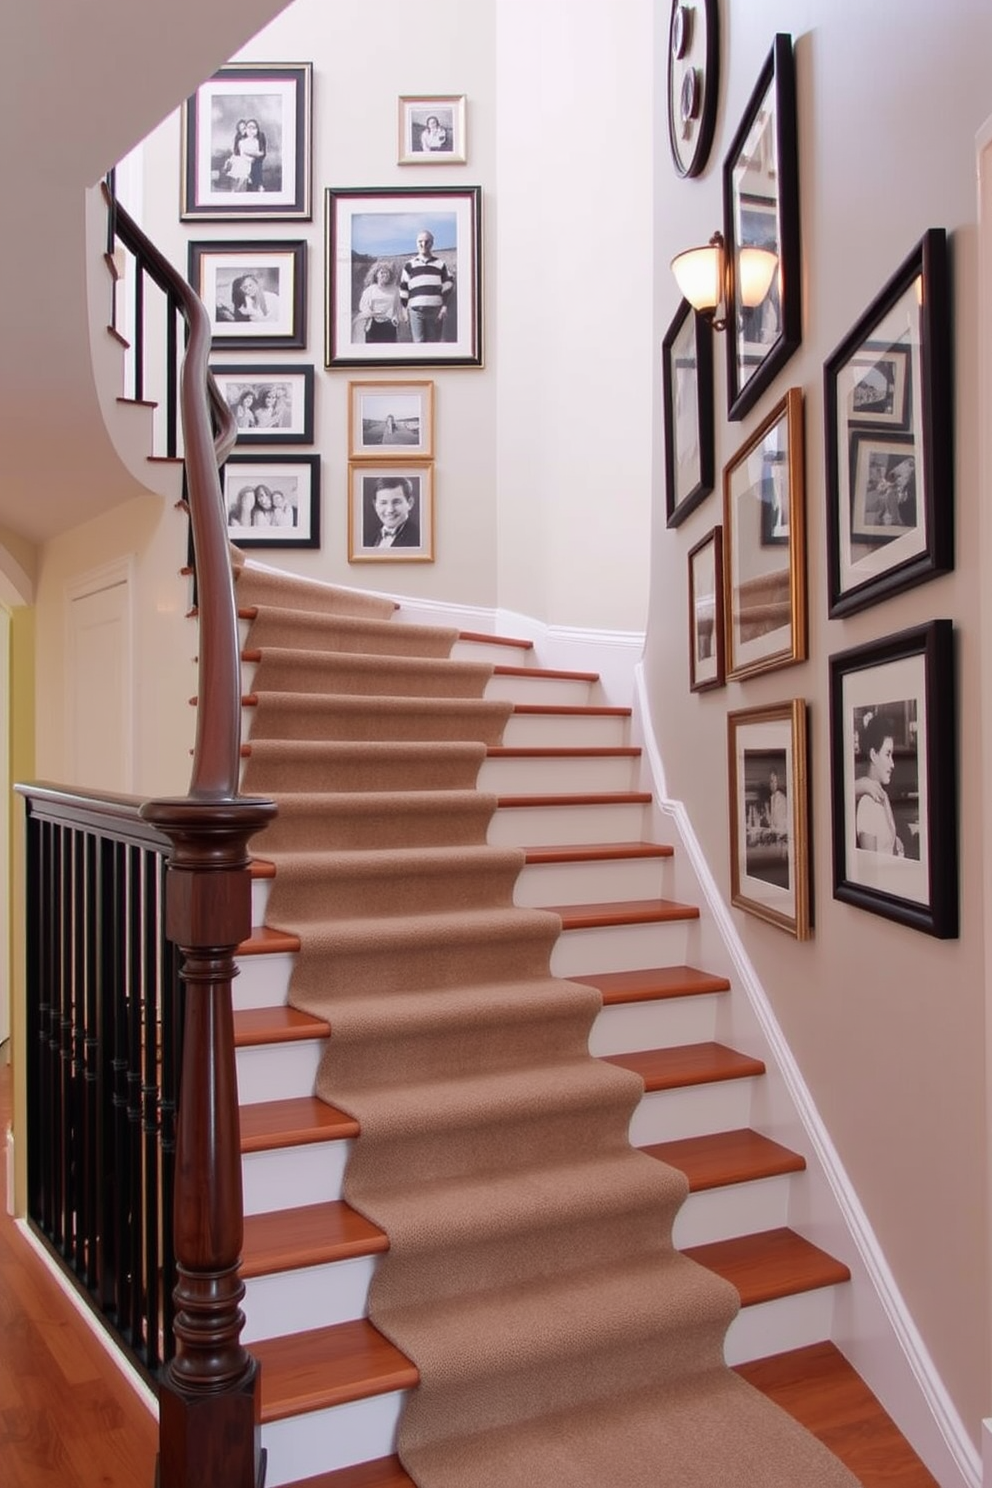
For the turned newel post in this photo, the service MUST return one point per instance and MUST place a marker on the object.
(208, 1398)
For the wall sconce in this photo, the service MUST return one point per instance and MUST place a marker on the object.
(701, 274)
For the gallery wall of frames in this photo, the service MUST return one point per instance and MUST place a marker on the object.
(401, 280)
(887, 421)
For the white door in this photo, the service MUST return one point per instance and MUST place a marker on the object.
(5, 844)
(98, 679)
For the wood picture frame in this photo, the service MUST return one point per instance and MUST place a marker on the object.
(396, 498)
(769, 815)
(390, 420)
(706, 633)
(432, 129)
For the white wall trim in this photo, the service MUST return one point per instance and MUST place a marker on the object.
(928, 1381)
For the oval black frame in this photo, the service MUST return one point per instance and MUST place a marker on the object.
(695, 162)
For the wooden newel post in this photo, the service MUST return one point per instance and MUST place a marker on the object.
(209, 1402)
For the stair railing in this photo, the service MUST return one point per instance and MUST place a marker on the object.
(209, 1407)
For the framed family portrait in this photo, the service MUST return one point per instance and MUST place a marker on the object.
(432, 129)
(706, 640)
(687, 392)
(769, 815)
(404, 277)
(764, 545)
(761, 210)
(889, 440)
(391, 512)
(246, 144)
(271, 404)
(391, 420)
(272, 502)
(254, 293)
(893, 778)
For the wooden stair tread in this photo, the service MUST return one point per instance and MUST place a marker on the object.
(292, 1123)
(622, 912)
(615, 751)
(276, 1025)
(653, 983)
(588, 710)
(552, 673)
(311, 1235)
(495, 640)
(259, 867)
(687, 1064)
(579, 798)
(384, 1472)
(594, 852)
(770, 1264)
(723, 1158)
(266, 942)
(328, 1366)
(824, 1393)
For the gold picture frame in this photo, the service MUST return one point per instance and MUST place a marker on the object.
(769, 815)
(432, 129)
(405, 512)
(391, 420)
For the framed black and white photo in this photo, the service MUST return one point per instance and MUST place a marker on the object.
(271, 405)
(272, 502)
(769, 815)
(404, 277)
(254, 293)
(246, 144)
(391, 420)
(432, 129)
(889, 438)
(764, 545)
(687, 391)
(893, 778)
(761, 210)
(706, 639)
(391, 512)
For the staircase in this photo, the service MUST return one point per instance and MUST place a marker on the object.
(565, 775)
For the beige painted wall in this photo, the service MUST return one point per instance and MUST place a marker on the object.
(887, 1023)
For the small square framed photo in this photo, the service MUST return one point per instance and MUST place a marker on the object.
(391, 420)
(764, 545)
(432, 130)
(272, 503)
(687, 391)
(246, 144)
(255, 293)
(769, 820)
(706, 667)
(893, 778)
(271, 405)
(391, 512)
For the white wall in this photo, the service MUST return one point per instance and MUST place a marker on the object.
(887, 1023)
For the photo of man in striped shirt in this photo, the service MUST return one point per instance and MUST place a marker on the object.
(425, 288)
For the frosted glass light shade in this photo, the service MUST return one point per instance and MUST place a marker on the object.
(699, 275)
(756, 268)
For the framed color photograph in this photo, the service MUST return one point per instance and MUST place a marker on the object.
(889, 438)
(391, 420)
(769, 821)
(761, 210)
(272, 502)
(246, 144)
(404, 277)
(255, 293)
(391, 512)
(687, 390)
(432, 130)
(706, 667)
(271, 405)
(764, 545)
(893, 781)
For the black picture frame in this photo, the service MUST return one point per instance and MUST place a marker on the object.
(890, 464)
(270, 183)
(706, 626)
(693, 83)
(761, 210)
(687, 394)
(295, 477)
(369, 227)
(893, 724)
(217, 269)
(272, 404)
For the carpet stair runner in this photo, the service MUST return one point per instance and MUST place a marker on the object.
(527, 1307)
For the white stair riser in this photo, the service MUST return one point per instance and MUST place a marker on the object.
(593, 882)
(775, 1327)
(628, 1027)
(262, 981)
(620, 948)
(492, 651)
(566, 730)
(314, 1297)
(261, 888)
(692, 1111)
(556, 692)
(286, 1177)
(527, 776)
(737, 1209)
(268, 1072)
(321, 1441)
(537, 826)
